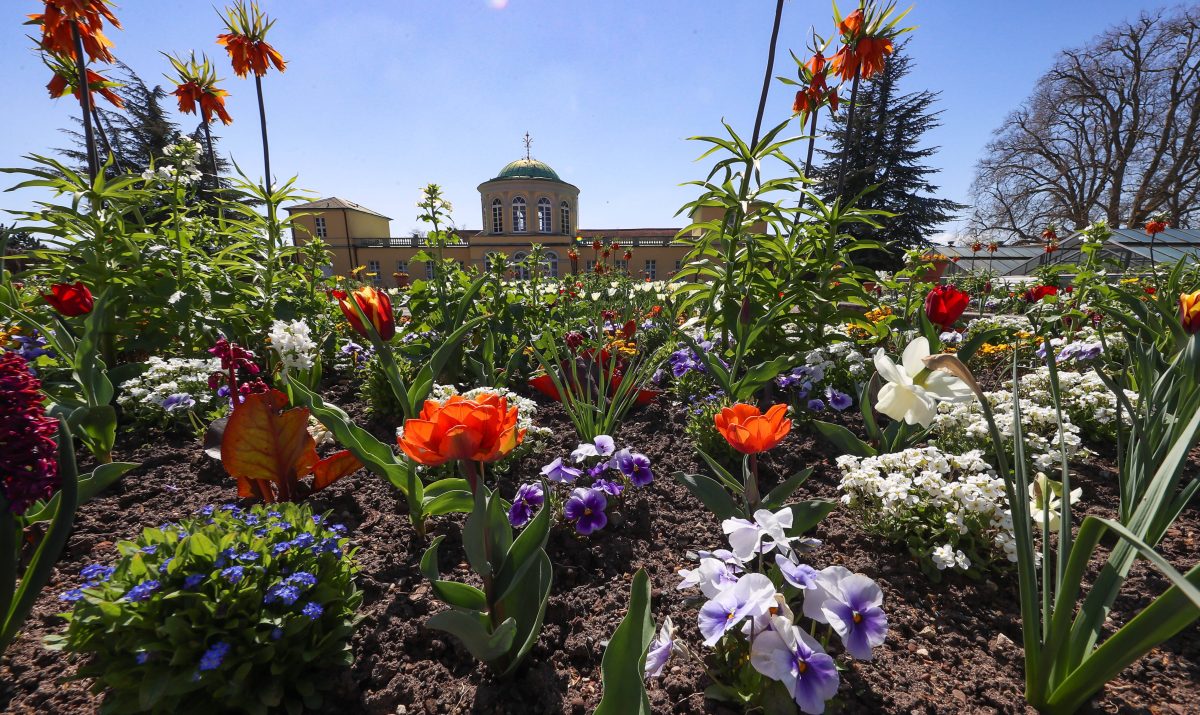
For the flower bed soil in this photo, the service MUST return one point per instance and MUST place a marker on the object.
(951, 646)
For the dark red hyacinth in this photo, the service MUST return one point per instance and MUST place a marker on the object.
(70, 300)
(28, 453)
(945, 304)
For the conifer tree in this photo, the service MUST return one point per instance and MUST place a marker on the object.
(883, 149)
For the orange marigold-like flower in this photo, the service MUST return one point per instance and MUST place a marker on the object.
(246, 40)
(88, 15)
(749, 431)
(483, 429)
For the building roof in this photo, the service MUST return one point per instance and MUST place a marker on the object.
(1128, 246)
(334, 202)
(527, 169)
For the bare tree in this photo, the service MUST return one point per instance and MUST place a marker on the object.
(1111, 132)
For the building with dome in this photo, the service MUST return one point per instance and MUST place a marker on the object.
(525, 203)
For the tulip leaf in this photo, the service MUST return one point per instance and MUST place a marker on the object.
(96, 427)
(785, 489)
(711, 493)
(456, 594)
(625, 657)
(472, 630)
(102, 477)
(844, 439)
(808, 513)
(526, 602)
(759, 375)
(447, 496)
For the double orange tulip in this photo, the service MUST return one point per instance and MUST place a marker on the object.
(1189, 312)
(749, 431)
(480, 430)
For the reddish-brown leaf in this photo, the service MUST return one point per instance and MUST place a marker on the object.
(262, 441)
(334, 467)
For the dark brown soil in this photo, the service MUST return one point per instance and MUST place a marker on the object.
(952, 647)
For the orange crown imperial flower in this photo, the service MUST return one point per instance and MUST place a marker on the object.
(88, 15)
(483, 429)
(1189, 312)
(1155, 227)
(852, 24)
(246, 40)
(749, 431)
(66, 77)
(196, 84)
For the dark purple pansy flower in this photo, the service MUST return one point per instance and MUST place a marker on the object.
(816, 405)
(608, 487)
(525, 503)
(838, 400)
(636, 467)
(586, 508)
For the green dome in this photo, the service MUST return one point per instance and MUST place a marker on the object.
(528, 169)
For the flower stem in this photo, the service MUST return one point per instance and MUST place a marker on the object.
(85, 101)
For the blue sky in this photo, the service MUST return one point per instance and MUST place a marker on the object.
(383, 96)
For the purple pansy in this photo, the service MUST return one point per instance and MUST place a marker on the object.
(586, 508)
(636, 467)
(752, 595)
(816, 405)
(850, 603)
(660, 649)
(838, 400)
(556, 471)
(525, 503)
(791, 656)
(602, 446)
(801, 576)
(609, 487)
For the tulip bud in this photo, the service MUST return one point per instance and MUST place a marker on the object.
(744, 314)
(1189, 312)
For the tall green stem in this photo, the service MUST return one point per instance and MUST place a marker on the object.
(85, 101)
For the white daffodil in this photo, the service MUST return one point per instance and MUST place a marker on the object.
(1041, 487)
(912, 392)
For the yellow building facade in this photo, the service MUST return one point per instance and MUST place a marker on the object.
(524, 204)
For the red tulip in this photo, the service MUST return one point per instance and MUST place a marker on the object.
(1033, 295)
(945, 304)
(70, 300)
(375, 305)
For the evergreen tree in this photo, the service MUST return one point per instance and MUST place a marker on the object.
(883, 148)
(141, 131)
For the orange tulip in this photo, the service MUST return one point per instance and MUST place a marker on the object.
(1189, 312)
(749, 431)
(246, 40)
(375, 305)
(483, 429)
(88, 16)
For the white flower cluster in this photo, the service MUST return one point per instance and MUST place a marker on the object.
(294, 344)
(946, 508)
(960, 426)
(178, 164)
(1086, 400)
(170, 388)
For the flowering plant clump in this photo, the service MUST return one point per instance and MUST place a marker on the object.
(949, 510)
(826, 379)
(596, 473)
(245, 610)
(1088, 403)
(293, 342)
(763, 647)
(960, 427)
(170, 390)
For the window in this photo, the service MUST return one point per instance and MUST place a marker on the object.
(497, 216)
(591, 264)
(519, 265)
(518, 221)
(550, 264)
(651, 268)
(402, 266)
(544, 215)
(489, 261)
(321, 232)
(429, 270)
(373, 268)
(621, 265)
(678, 265)
(564, 218)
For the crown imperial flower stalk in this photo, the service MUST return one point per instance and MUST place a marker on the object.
(196, 84)
(28, 464)
(88, 16)
(246, 40)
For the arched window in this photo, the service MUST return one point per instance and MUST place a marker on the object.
(519, 224)
(497, 216)
(519, 265)
(544, 215)
(550, 264)
(564, 218)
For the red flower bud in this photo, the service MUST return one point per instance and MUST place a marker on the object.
(945, 304)
(70, 300)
